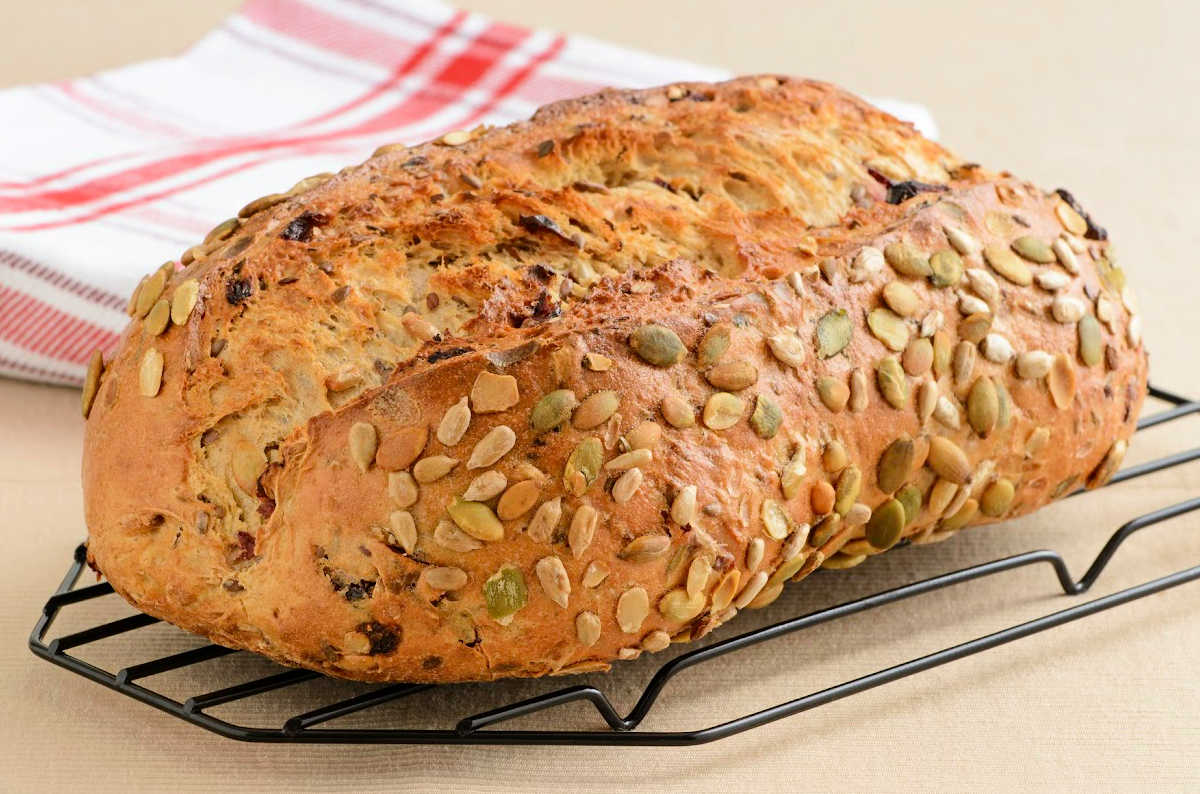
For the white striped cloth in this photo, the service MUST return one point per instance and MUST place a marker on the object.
(103, 178)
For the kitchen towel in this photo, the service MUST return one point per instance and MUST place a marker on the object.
(103, 178)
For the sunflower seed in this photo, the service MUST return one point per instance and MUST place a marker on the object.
(754, 553)
(626, 486)
(493, 446)
(833, 333)
(960, 518)
(645, 548)
(1052, 280)
(91, 382)
(698, 573)
(917, 357)
(150, 373)
(906, 259)
(895, 464)
(997, 498)
(1134, 331)
(448, 535)
(402, 488)
(454, 423)
(1037, 441)
(628, 460)
(677, 412)
(964, 243)
(983, 406)
(683, 507)
(1071, 220)
(927, 399)
(766, 417)
(583, 466)
(554, 580)
(713, 345)
(948, 461)
(753, 587)
(984, 285)
(867, 262)
(677, 606)
(1067, 309)
(1109, 465)
(722, 411)
(183, 300)
(940, 496)
(888, 328)
(787, 348)
(444, 578)
(793, 473)
(1008, 264)
(1061, 381)
(732, 375)
(1034, 364)
(432, 468)
(545, 521)
(1066, 257)
(594, 575)
(849, 485)
(943, 351)
(901, 298)
(963, 365)
(858, 392)
(1033, 249)
(587, 628)
(596, 362)
(657, 345)
(886, 524)
(1106, 312)
(493, 393)
(931, 323)
(417, 326)
(893, 385)
(149, 293)
(833, 393)
(725, 590)
(775, 520)
(402, 531)
(997, 349)
(969, 304)
(947, 413)
(1091, 342)
(834, 457)
(973, 328)
(632, 608)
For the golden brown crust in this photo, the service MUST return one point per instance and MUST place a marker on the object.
(706, 314)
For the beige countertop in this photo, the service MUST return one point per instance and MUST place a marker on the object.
(1101, 100)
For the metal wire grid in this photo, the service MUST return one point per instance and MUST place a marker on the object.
(622, 730)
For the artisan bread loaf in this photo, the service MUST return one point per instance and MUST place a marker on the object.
(529, 400)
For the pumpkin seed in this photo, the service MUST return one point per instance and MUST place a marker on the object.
(753, 587)
(775, 520)
(552, 410)
(754, 553)
(858, 392)
(927, 399)
(895, 464)
(1066, 257)
(833, 333)
(785, 571)
(492, 393)
(733, 375)
(363, 442)
(183, 300)
(997, 498)
(454, 423)
(917, 357)
(822, 497)
(983, 406)
(518, 500)
(825, 529)
(645, 436)
(91, 382)
(963, 364)
(444, 578)
(963, 242)
(151, 290)
(787, 348)
(596, 409)
(476, 519)
(1091, 342)
(403, 531)
(657, 345)
(583, 466)
(888, 328)
(886, 523)
(906, 259)
(1071, 220)
(910, 497)
(941, 495)
(493, 446)
(455, 138)
(841, 562)
(974, 327)
(713, 345)
(645, 548)
(587, 628)
(1109, 465)
(725, 590)
(960, 518)
(833, 393)
(946, 268)
(131, 304)
(834, 457)
(767, 416)
(901, 298)
(997, 349)
(552, 575)
(632, 608)
(677, 606)
(150, 373)
(596, 362)
(398, 450)
(260, 204)
(677, 412)
(453, 538)
(432, 468)
(849, 485)
(1061, 381)
(891, 381)
(722, 411)
(948, 461)
(1033, 249)
(793, 472)
(545, 520)
(1007, 264)
(943, 350)
(505, 592)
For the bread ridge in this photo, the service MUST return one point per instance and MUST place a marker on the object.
(317, 579)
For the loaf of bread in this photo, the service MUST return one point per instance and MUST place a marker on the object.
(529, 400)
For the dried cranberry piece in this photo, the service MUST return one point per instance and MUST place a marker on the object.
(301, 228)
(238, 290)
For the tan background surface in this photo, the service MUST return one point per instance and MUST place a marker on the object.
(1101, 100)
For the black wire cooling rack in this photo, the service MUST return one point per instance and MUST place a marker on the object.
(622, 730)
